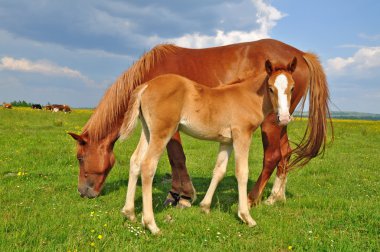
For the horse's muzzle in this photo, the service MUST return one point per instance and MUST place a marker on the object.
(86, 191)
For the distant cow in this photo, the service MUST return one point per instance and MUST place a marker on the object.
(57, 107)
(36, 106)
(7, 105)
(48, 107)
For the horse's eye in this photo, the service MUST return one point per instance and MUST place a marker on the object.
(292, 89)
(80, 158)
(271, 90)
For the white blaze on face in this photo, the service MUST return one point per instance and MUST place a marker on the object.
(281, 83)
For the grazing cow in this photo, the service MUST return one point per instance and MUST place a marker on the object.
(58, 107)
(48, 107)
(36, 106)
(7, 105)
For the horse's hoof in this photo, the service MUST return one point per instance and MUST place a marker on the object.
(273, 199)
(172, 199)
(184, 203)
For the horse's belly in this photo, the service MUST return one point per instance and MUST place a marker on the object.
(201, 131)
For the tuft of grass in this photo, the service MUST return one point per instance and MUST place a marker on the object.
(332, 203)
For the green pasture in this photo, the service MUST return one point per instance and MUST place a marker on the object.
(333, 204)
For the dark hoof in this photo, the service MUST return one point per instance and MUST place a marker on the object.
(172, 199)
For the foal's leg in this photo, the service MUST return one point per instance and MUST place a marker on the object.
(270, 134)
(218, 174)
(241, 143)
(278, 189)
(148, 168)
(134, 171)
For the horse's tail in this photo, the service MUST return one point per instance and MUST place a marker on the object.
(132, 114)
(314, 140)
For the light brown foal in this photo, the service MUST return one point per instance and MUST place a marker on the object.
(227, 114)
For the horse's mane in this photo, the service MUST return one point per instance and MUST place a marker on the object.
(114, 103)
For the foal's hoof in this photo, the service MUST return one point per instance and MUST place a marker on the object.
(130, 214)
(247, 219)
(205, 208)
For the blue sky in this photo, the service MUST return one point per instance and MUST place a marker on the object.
(71, 51)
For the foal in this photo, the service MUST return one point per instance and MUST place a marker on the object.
(227, 114)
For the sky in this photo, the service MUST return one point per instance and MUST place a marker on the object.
(70, 51)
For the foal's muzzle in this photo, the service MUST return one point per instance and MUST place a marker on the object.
(283, 120)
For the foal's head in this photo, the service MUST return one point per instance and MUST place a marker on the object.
(280, 87)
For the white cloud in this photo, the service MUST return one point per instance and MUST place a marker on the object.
(267, 17)
(43, 67)
(364, 61)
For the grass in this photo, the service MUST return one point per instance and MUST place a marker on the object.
(332, 204)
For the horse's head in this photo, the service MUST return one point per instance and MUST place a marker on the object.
(96, 159)
(280, 87)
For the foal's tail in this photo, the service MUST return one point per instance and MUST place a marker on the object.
(314, 140)
(132, 114)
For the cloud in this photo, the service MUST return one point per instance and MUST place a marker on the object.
(267, 17)
(43, 67)
(366, 60)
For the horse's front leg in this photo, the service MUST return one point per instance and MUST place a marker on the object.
(134, 171)
(182, 191)
(278, 189)
(241, 143)
(271, 134)
(218, 174)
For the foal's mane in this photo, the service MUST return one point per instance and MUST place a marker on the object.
(114, 103)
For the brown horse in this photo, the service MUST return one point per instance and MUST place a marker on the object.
(226, 114)
(211, 66)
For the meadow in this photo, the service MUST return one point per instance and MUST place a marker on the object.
(332, 204)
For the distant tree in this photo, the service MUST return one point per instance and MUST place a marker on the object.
(21, 104)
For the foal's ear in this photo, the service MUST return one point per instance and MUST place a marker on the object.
(268, 67)
(292, 65)
(78, 138)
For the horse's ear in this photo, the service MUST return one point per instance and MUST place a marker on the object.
(78, 138)
(292, 65)
(268, 67)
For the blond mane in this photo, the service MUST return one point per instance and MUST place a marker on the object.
(114, 103)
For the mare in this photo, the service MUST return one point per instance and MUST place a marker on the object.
(227, 114)
(213, 67)
(7, 105)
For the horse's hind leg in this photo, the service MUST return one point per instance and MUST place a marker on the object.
(182, 191)
(134, 171)
(218, 174)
